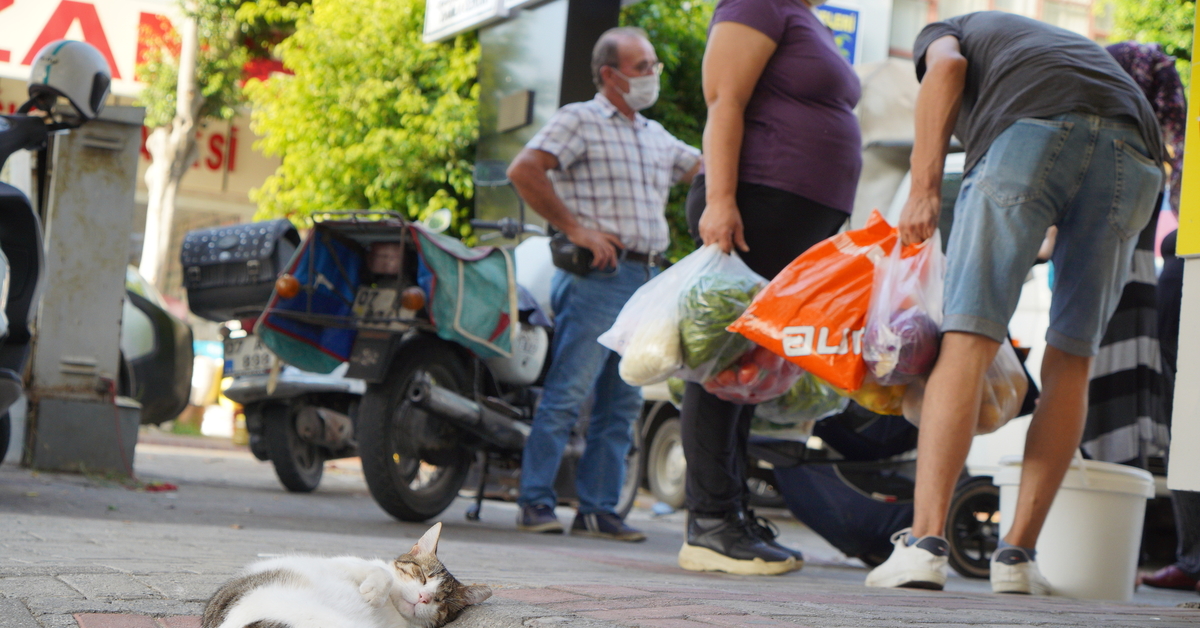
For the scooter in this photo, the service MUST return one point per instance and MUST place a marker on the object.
(434, 412)
(82, 77)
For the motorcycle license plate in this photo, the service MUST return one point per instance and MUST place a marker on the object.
(380, 307)
(246, 355)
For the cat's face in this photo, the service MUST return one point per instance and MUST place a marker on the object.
(424, 592)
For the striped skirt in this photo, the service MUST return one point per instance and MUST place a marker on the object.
(1127, 419)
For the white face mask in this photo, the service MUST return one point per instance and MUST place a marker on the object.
(643, 90)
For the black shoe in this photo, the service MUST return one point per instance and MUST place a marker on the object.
(764, 529)
(538, 518)
(730, 544)
(605, 525)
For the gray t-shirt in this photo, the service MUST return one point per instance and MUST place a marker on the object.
(1021, 68)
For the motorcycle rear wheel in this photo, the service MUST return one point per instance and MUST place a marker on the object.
(405, 486)
(298, 464)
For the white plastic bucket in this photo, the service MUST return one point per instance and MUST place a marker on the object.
(1089, 545)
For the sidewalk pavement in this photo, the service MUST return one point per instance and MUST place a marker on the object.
(79, 552)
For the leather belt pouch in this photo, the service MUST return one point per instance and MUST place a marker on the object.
(569, 257)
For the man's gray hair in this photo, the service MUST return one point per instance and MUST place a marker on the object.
(607, 48)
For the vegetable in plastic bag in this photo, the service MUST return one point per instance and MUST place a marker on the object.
(808, 399)
(902, 335)
(876, 397)
(757, 376)
(653, 352)
(708, 306)
(1004, 389)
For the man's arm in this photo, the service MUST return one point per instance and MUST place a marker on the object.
(528, 175)
(937, 107)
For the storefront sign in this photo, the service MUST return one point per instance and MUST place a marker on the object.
(119, 29)
(844, 24)
(446, 18)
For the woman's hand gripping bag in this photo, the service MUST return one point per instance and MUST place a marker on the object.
(814, 312)
(904, 323)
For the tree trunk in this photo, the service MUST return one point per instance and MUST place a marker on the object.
(172, 151)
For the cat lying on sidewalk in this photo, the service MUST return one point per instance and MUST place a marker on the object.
(412, 591)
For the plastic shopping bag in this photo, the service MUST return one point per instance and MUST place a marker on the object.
(904, 321)
(647, 331)
(1004, 389)
(878, 398)
(813, 313)
(808, 400)
(757, 376)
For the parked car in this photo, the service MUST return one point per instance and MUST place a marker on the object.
(156, 353)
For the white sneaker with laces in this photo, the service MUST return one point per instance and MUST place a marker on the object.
(922, 565)
(1012, 571)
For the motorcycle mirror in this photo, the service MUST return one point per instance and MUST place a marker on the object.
(490, 173)
(439, 220)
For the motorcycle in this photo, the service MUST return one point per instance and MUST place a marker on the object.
(82, 78)
(436, 409)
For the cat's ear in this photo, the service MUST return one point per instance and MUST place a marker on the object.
(476, 593)
(429, 541)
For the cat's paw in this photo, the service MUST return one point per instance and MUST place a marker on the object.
(376, 589)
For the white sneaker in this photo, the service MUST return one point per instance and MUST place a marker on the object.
(922, 565)
(1013, 572)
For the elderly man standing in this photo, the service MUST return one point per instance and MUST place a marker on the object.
(1057, 134)
(599, 172)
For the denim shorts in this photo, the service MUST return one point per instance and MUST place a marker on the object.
(1090, 176)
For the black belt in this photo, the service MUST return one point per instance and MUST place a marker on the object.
(649, 259)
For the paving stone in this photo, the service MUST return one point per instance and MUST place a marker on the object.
(109, 586)
(746, 620)
(656, 612)
(13, 614)
(539, 596)
(669, 623)
(180, 621)
(61, 620)
(184, 586)
(603, 590)
(40, 586)
(114, 620)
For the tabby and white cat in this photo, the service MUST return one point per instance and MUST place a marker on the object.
(413, 591)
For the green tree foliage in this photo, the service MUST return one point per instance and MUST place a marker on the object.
(1165, 22)
(218, 64)
(372, 117)
(678, 31)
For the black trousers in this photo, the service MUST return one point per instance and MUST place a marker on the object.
(779, 226)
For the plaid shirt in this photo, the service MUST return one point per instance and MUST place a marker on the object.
(614, 173)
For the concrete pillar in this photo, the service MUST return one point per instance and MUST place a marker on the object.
(1183, 474)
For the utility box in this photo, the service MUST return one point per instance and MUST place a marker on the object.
(76, 421)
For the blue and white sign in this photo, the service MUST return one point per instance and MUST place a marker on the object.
(844, 23)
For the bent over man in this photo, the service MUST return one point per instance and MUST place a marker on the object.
(1058, 134)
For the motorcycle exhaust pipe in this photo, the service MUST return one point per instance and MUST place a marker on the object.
(496, 428)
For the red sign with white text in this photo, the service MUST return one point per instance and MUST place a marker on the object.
(121, 30)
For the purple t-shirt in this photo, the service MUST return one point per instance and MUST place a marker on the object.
(801, 133)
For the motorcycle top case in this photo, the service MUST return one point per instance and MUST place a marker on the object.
(229, 272)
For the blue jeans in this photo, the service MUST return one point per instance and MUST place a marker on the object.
(583, 369)
(1089, 175)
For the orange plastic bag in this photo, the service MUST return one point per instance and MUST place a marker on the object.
(813, 313)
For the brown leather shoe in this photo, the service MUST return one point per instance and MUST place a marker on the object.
(1170, 577)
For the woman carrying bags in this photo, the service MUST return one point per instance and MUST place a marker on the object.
(782, 156)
